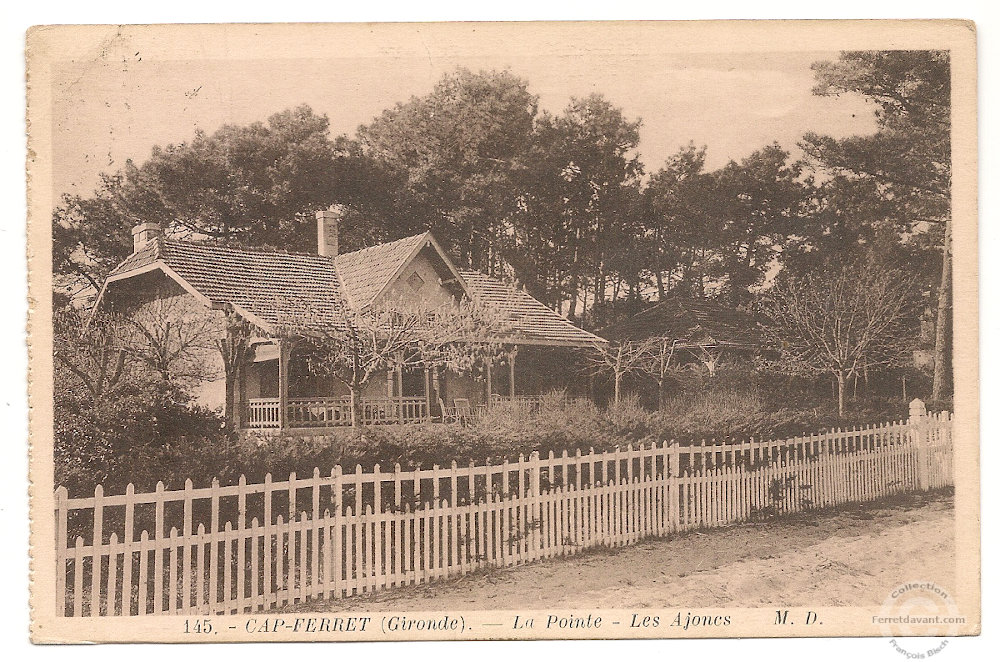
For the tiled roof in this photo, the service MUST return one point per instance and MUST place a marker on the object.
(279, 288)
(532, 320)
(366, 272)
(276, 287)
(691, 319)
(146, 254)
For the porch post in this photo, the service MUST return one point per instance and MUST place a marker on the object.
(436, 382)
(284, 355)
(513, 358)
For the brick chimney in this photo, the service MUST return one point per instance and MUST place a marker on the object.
(144, 233)
(328, 230)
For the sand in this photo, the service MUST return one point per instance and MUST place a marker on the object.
(851, 556)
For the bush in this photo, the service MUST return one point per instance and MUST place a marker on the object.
(165, 439)
(124, 438)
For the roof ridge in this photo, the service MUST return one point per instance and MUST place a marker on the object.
(244, 249)
(385, 244)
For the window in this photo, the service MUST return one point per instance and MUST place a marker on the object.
(415, 281)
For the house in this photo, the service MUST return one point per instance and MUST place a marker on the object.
(704, 331)
(273, 388)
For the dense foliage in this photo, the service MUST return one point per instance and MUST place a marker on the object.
(724, 409)
(558, 202)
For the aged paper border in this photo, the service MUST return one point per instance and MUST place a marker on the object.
(47, 44)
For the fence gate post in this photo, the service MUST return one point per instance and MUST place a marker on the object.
(534, 528)
(918, 425)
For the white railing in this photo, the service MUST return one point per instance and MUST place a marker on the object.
(263, 413)
(253, 547)
(318, 412)
(335, 412)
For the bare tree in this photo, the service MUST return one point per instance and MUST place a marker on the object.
(708, 354)
(93, 350)
(396, 334)
(618, 359)
(843, 320)
(176, 338)
(234, 347)
(659, 362)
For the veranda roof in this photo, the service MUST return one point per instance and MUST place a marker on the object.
(271, 287)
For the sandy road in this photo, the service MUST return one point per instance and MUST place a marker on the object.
(854, 556)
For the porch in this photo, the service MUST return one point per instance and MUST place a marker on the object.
(334, 411)
(264, 413)
(276, 392)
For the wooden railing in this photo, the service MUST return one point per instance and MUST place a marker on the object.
(334, 412)
(263, 413)
(318, 412)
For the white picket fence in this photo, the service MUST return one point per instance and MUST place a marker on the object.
(251, 547)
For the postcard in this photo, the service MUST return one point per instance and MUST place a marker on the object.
(481, 331)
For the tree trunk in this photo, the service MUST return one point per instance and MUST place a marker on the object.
(230, 406)
(941, 327)
(618, 387)
(659, 395)
(355, 403)
(233, 348)
(355, 408)
(840, 393)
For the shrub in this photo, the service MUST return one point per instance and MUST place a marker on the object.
(127, 438)
(172, 442)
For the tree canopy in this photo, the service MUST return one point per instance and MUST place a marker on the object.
(900, 176)
(559, 203)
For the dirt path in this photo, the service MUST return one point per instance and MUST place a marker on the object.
(853, 556)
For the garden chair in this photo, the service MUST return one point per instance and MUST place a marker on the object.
(448, 414)
(463, 410)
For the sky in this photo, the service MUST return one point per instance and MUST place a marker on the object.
(110, 109)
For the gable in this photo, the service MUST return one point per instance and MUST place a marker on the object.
(364, 274)
(422, 279)
(141, 289)
(370, 274)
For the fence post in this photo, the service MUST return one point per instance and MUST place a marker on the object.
(918, 428)
(97, 545)
(62, 495)
(534, 527)
(674, 496)
(536, 472)
(337, 499)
